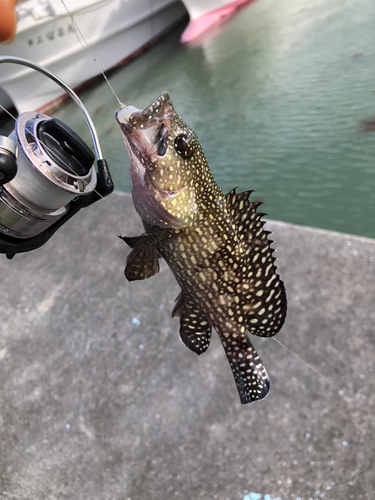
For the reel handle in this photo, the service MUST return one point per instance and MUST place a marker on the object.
(8, 162)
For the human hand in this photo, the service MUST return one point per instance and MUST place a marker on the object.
(8, 20)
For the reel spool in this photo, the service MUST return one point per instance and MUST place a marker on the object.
(54, 167)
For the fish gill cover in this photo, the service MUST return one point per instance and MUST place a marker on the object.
(214, 244)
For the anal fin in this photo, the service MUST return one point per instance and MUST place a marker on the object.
(195, 329)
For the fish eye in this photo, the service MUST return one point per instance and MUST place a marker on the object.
(183, 146)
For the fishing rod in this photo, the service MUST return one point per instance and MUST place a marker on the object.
(47, 174)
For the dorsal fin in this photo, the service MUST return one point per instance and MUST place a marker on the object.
(250, 231)
(244, 215)
(261, 291)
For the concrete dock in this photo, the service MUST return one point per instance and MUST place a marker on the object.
(99, 399)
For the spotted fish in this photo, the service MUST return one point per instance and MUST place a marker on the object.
(214, 244)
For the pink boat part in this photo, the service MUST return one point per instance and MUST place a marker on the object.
(199, 25)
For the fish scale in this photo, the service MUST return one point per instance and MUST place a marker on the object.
(214, 244)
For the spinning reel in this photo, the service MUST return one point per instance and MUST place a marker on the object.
(47, 175)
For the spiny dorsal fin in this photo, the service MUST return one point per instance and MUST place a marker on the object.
(263, 293)
(244, 215)
(142, 262)
(195, 330)
(250, 231)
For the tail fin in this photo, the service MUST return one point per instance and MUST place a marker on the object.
(248, 371)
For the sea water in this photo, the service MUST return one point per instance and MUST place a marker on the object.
(279, 96)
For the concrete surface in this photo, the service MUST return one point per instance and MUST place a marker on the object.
(100, 400)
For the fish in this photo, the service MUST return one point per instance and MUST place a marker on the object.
(215, 244)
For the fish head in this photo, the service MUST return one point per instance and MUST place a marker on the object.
(162, 151)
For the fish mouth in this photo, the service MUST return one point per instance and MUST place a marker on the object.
(131, 119)
(144, 130)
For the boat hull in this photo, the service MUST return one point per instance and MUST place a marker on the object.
(204, 14)
(125, 27)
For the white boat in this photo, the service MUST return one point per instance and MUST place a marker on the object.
(206, 13)
(115, 31)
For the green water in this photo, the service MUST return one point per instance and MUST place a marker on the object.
(276, 97)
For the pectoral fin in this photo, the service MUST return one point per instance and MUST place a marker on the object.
(142, 262)
(195, 330)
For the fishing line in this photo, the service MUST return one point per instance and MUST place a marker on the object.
(330, 380)
(8, 112)
(90, 54)
(152, 24)
(88, 51)
(312, 367)
(304, 361)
